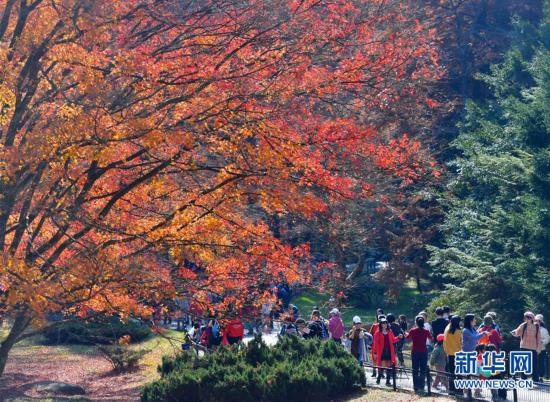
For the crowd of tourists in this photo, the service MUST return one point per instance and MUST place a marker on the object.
(380, 344)
(432, 343)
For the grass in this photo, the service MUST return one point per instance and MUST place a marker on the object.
(410, 302)
(168, 343)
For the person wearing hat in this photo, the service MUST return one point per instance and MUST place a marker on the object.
(293, 312)
(359, 340)
(494, 336)
(383, 346)
(438, 361)
(419, 353)
(494, 317)
(529, 333)
(335, 326)
(544, 340)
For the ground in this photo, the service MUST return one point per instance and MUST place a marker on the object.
(381, 395)
(30, 362)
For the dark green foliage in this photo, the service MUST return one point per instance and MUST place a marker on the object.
(292, 370)
(497, 247)
(366, 291)
(121, 357)
(102, 330)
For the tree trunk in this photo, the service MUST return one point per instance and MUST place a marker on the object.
(19, 325)
(418, 284)
(358, 270)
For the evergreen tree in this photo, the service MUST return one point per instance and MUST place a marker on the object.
(497, 230)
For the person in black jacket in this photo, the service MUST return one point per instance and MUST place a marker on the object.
(316, 327)
(440, 323)
(395, 328)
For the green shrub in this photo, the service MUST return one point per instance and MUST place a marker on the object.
(366, 292)
(103, 330)
(292, 370)
(121, 357)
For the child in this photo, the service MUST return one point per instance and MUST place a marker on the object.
(438, 361)
(496, 394)
(480, 350)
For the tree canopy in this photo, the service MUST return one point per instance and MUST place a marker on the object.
(496, 252)
(137, 136)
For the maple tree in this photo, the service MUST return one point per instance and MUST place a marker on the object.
(137, 135)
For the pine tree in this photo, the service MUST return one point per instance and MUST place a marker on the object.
(497, 230)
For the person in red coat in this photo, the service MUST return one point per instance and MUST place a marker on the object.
(373, 329)
(383, 347)
(234, 331)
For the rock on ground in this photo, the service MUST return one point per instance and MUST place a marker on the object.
(56, 388)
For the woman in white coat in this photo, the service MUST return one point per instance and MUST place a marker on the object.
(544, 339)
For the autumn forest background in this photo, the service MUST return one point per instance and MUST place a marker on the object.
(376, 152)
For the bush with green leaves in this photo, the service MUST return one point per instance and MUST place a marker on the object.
(366, 291)
(122, 357)
(100, 330)
(292, 370)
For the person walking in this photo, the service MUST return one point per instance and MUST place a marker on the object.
(317, 327)
(373, 329)
(359, 340)
(383, 344)
(529, 333)
(438, 361)
(419, 353)
(428, 327)
(439, 324)
(234, 331)
(403, 322)
(544, 340)
(493, 315)
(335, 326)
(396, 330)
(470, 337)
(494, 337)
(452, 344)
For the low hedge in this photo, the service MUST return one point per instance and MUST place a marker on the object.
(102, 330)
(292, 370)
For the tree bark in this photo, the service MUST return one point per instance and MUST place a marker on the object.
(19, 325)
(358, 270)
(418, 284)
